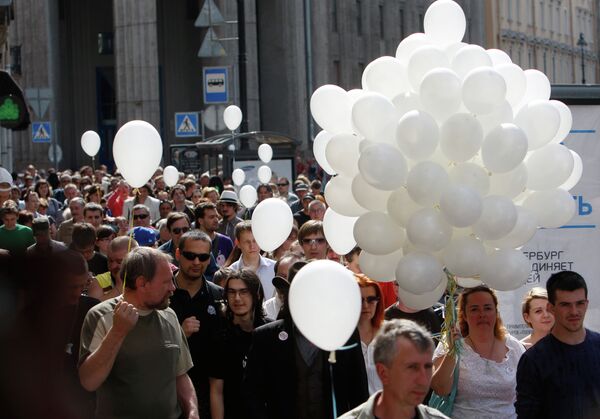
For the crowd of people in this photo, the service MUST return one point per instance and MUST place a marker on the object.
(159, 303)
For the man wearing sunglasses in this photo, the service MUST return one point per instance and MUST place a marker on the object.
(197, 303)
(141, 216)
(178, 224)
(312, 239)
(283, 185)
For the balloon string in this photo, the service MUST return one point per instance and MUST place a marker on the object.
(136, 191)
(333, 402)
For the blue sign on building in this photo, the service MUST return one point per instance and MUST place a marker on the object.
(216, 88)
(187, 124)
(41, 132)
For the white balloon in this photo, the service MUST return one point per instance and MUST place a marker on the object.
(461, 137)
(319, 147)
(538, 87)
(498, 218)
(506, 270)
(264, 174)
(400, 206)
(423, 60)
(461, 205)
(419, 272)
(327, 318)
(498, 57)
(441, 93)
(575, 174)
(566, 121)
(339, 231)
(406, 102)
(248, 196)
(540, 120)
(426, 182)
(503, 114)
(549, 167)
(339, 197)
(522, 232)
(378, 234)
(469, 58)
(423, 301)
(409, 45)
(137, 151)
(383, 166)
(472, 175)
(385, 75)
(452, 49)
(232, 117)
(445, 22)
(90, 142)
(265, 153)
(381, 268)
(171, 176)
(272, 222)
(504, 148)
(369, 197)
(342, 154)
(238, 176)
(484, 90)
(331, 108)
(464, 256)
(516, 82)
(417, 135)
(373, 115)
(553, 208)
(427, 230)
(509, 184)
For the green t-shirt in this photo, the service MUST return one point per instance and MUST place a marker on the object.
(141, 383)
(16, 241)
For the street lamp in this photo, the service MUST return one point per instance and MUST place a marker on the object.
(581, 43)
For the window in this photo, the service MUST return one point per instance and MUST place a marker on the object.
(359, 17)
(545, 62)
(337, 72)
(381, 29)
(528, 6)
(530, 59)
(334, 16)
(401, 22)
(509, 10)
(421, 27)
(542, 24)
(550, 18)
(554, 67)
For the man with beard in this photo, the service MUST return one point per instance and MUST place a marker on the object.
(197, 303)
(228, 207)
(133, 351)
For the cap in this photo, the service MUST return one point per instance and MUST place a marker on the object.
(229, 196)
(280, 283)
(145, 236)
(309, 196)
(301, 187)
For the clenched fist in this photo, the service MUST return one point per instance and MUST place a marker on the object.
(190, 325)
(125, 317)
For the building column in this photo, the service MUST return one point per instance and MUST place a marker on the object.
(136, 61)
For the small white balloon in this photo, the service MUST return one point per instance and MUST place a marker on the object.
(417, 135)
(472, 175)
(232, 117)
(339, 197)
(409, 44)
(425, 300)
(566, 121)
(90, 142)
(464, 256)
(549, 167)
(498, 57)
(484, 90)
(445, 22)
(469, 58)
(553, 208)
(265, 153)
(319, 148)
(540, 120)
(372, 117)
(238, 176)
(504, 148)
(427, 230)
(423, 60)
(401, 207)
(441, 93)
(506, 270)
(383, 167)
(516, 82)
(503, 114)
(461, 205)
(385, 75)
(369, 197)
(406, 102)
(342, 154)
(498, 218)
(272, 222)
(339, 231)
(426, 182)
(248, 196)
(461, 137)
(575, 174)
(264, 174)
(381, 268)
(378, 234)
(538, 87)
(171, 176)
(419, 272)
(510, 184)
(331, 108)
(523, 231)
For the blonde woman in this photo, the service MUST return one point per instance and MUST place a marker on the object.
(536, 315)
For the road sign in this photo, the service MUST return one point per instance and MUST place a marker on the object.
(209, 15)
(215, 85)
(39, 100)
(186, 124)
(53, 150)
(41, 132)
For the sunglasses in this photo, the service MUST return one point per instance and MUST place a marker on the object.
(282, 184)
(202, 257)
(140, 216)
(310, 242)
(179, 230)
(370, 300)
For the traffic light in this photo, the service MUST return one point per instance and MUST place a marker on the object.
(14, 113)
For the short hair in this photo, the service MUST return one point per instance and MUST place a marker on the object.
(173, 217)
(25, 217)
(366, 282)
(92, 206)
(202, 207)
(316, 184)
(9, 207)
(40, 225)
(264, 186)
(194, 235)
(122, 242)
(141, 261)
(77, 200)
(385, 343)
(140, 207)
(84, 235)
(533, 294)
(352, 254)
(287, 255)
(208, 189)
(221, 276)
(252, 282)
(179, 186)
(499, 329)
(242, 227)
(564, 281)
(104, 231)
(310, 227)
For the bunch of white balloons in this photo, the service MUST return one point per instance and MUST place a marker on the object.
(449, 156)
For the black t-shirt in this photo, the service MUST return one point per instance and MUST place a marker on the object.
(98, 264)
(426, 318)
(301, 218)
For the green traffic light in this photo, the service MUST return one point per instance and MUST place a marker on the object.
(9, 110)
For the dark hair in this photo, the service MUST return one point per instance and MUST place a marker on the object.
(104, 231)
(221, 276)
(173, 217)
(202, 207)
(25, 217)
(92, 206)
(252, 282)
(564, 281)
(43, 182)
(217, 183)
(179, 186)
(193, 235)
(84, 235)
(265, 186)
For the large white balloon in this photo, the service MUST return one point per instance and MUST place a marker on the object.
(464, 256)
(538, 87)
(264, 174)
(248, 196)
(509, 184)
(272, 221)
(339, 197)
(265, 153)
(90, 142)
(238, 176)
(498, 57)
(409, 44)
(232, 117)
(400, 206)
(540, 120)
(427, 230)
(506, 270)
(385, 75)
(522, 232)
(373, 116)
(339, 231)
(329, 317)
(417, 135)
(445, 22)
(171, 176)
(426, 182)
(553, 208)
(441, 93)
(419, 272)
(566, 121)
(516, 82)
(469, 58)
(503, 114)
(461, 205)
(331, 108)
(504, 148)
(461, 137)
(378, 234)
(383, 166)
(137, 151)
(484, 90)
(549, 167)
(423, 60)
(472, 175)
(498, 218)
(575, 174)
(369, 197)
(319, 148)
(423, 301)
(342, 154)
(380, 268)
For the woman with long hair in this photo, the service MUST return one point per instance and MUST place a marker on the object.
(43, 189)
(536, 315)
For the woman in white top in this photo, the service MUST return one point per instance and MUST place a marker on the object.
(488, 360)
(371, 318)
(536, 315)
(145, 198)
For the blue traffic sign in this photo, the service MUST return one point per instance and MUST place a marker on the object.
(186, 124)
(215, 85)
(41, 132)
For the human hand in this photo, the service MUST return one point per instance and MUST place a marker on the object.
(125, 318)
(190, 326)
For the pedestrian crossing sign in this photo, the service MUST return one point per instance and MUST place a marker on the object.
(41, 132)
(186, 124)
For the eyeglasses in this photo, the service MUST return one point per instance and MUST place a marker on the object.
(242, 292)
(179, 230)
(370, 300)
(140, 216)
(310, 242)
(202, 257)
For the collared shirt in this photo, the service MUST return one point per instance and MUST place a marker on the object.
(265, 272)
(367, 410)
